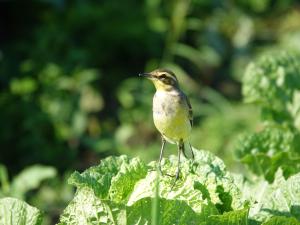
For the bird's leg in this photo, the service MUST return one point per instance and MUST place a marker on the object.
(163, 142)
(193, 156)
(180, 148)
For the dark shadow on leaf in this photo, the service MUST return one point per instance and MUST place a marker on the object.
(226, 200)
(203, 189)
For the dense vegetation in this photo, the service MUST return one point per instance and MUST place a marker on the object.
(70, 97)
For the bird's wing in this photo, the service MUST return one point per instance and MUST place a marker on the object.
(190, 110)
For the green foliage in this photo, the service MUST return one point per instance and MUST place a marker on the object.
(281, 220)
(220, 128)
(238, 217)
(16, 212)
(28, 179)
(55, 110)
(123, 191)
(271, 200)
(126, 187)
(264, 152)
(273, 82)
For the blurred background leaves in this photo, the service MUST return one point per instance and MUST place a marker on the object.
(70, 94)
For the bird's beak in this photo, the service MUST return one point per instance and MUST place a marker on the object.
(147, 75)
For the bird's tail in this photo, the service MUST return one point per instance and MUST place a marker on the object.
(191, 148)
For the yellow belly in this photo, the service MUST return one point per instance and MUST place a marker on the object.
(171, 119)
(174, 129)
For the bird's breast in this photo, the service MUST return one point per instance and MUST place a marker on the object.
(170, 115)
(165, 105)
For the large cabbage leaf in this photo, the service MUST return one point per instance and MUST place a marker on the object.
(276, 203)
(273, 82)
(17, 212)
(265, 151)
(123, 191)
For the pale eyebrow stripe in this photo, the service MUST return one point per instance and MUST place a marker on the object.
(174, 78)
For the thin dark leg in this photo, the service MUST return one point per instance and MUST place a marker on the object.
(193, 156)
(163, 142)
(180, 147)
(178, 164)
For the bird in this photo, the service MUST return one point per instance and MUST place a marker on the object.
(172, 112)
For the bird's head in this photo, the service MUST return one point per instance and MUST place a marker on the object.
(162, 79)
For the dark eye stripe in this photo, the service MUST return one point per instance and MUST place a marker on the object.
(167, 79)
(163, 76)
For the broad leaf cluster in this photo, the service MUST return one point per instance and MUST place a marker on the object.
(264, 152)
(123, 191)
(273, 83)
(127, 191)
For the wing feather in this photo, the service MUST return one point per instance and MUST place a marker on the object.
(190, 110)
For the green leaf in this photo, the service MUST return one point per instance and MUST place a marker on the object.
(124, 191)
(86, 208)
(281, 198)
(238, 217)
(30, 178)
(114, 177)
(170, 212)
(281, 220)
(264, 152)
(273, 82)
(17, 212)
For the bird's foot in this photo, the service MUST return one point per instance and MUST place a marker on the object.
(175, 180)
(164, 174)
(152, 169)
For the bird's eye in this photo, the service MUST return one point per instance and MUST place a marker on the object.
(163, 77)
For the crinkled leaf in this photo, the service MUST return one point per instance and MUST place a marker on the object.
(204, 180)
(238, 217)
(281, 198)
(16, 212)
(170, 212)
(273, 81)
(121, 191)
(86, 208)
(264, 152)
(113, 178)
(123, 183)
(282, 220)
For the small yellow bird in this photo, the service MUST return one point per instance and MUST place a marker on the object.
(172, 112)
